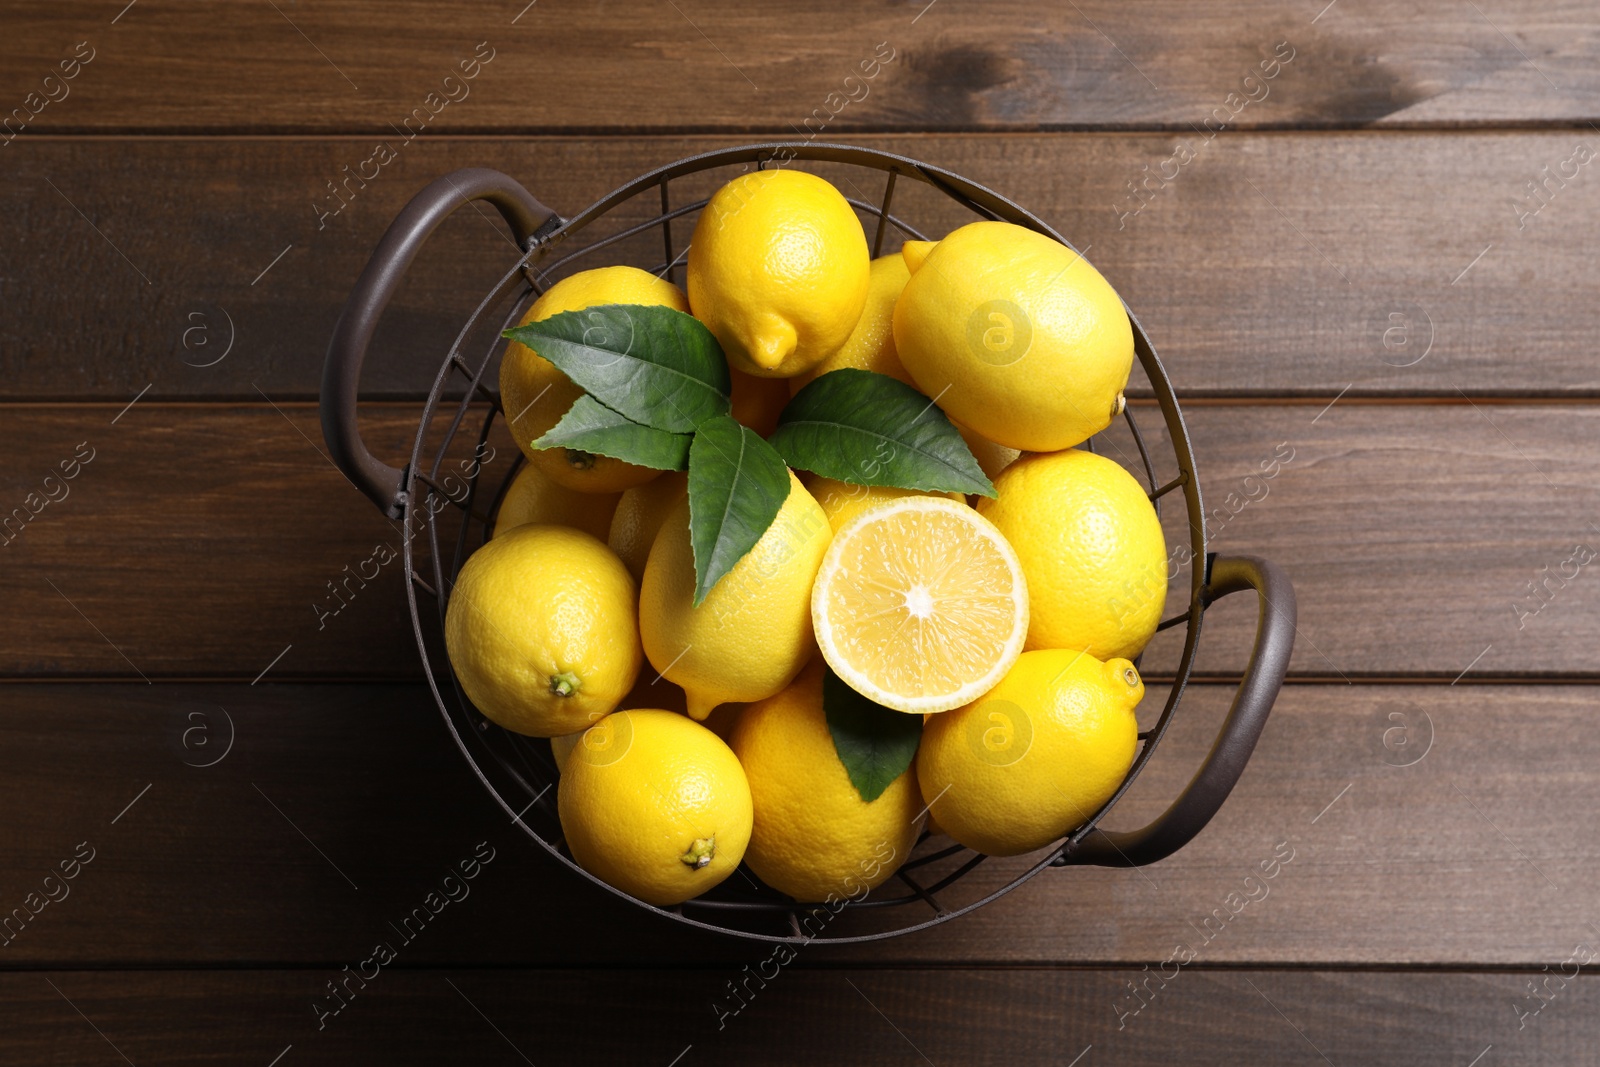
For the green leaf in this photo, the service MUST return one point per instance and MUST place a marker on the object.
(590, 426)
(737, 483)
(865, 428)
(655, 365)
(875, 743)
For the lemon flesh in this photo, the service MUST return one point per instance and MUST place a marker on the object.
(920, 604)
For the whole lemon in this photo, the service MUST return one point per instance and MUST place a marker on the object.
(752, 633)
(870, 345)
(639, 516)
(533, 496)
(1017, 336)
(843, 501)
(815, 838)
(561, 748)
(541, 630)
(1037, 755)
(723, 718)
(655, 805)
(651, 691)
(535, 394)
(992, 458)
(757, 402)
(1091, 547)
(914, 252)
(778, 270)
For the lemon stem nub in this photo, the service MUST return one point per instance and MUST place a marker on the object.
(1119, 405)
(580, 460)
(1130, 676)
(700, 852)
(564, 684)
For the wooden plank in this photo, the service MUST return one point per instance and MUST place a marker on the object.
(202, 541)
(1274, 264)
(1413, 534)
(803, 1016)
(1413, 826)
(1421, 539)
(217, 67)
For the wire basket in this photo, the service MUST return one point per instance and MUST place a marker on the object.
(447, 501)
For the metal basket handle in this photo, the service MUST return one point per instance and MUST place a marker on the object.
(341, 374)
(1269, 662)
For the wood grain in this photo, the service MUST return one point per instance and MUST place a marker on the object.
(1424, 540)
(1270, 265)
(213, 67)
(1397, 222)
(205, 540)
(1415, 825)
(802, 1017)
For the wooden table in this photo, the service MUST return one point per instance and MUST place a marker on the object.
(1381, 257)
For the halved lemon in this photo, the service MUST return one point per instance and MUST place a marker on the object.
(920, 604)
